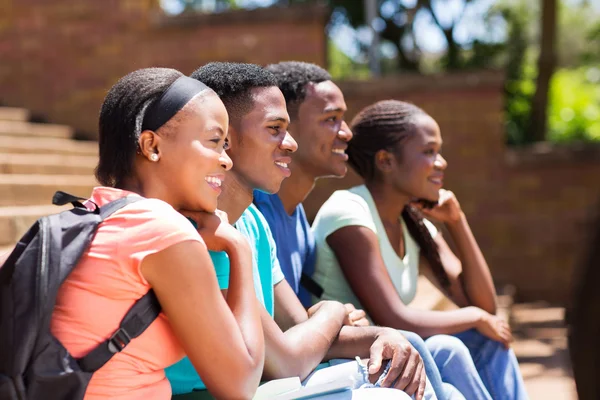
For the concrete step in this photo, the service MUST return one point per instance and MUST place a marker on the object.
(541, 346)
(506, 298)
(13, 114)
(25, 189)
(47, 164)
(15, 221)
(32, 145)
(429, 297)
(29, 129)
(4, 252)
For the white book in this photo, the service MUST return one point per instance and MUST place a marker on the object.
(319, 383)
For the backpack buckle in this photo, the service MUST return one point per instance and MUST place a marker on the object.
(118, 341)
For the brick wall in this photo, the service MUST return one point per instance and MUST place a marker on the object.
(529, 209)
(58, 58)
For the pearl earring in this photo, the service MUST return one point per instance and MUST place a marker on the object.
(154, 157)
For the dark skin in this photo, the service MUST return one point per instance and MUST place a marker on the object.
(416, 171)
(322, 136)
(298, 340)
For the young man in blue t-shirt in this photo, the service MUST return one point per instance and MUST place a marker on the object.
(296, 340)
(317, 107)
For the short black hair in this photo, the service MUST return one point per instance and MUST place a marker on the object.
(233, 83)
(292, 78)
(121, 117)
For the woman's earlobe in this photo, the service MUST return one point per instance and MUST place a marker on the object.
(383, 161)
(148, 145)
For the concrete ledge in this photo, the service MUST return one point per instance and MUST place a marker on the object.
(14, 114)
(409, 82)
(47, 164)
(30, 145)
(15, 221)
(545, 153)
(27, 129)
(25, 190)
(430, 298)
(299, 14)
(6, 249)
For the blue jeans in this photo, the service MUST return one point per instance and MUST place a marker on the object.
(480, 368)
(443, 391)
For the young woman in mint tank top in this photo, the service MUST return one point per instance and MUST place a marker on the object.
(372, 240)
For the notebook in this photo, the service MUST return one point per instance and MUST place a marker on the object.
(292, 388)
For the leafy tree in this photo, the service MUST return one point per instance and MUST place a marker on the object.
(529, 51)
(397, 28)
(546, 66)
(574, 112)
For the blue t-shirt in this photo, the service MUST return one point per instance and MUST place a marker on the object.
(266, 272)
(294, 239)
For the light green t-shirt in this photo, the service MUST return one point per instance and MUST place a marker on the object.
(355, 207)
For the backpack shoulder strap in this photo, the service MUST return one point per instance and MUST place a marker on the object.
(61, 198)
(311, 285)
(135, 322)
(108, 209)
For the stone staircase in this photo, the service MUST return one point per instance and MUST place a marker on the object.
(35, 161)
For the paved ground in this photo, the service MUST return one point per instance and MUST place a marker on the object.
(541, 347)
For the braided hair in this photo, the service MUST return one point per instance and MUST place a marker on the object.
(383, 126)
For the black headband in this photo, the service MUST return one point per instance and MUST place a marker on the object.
(172, 100)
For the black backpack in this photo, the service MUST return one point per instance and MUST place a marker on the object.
(33, 363)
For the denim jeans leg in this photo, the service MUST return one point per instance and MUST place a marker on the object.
(456, 366)
(452, 392)
(497, 366)
(433, 374)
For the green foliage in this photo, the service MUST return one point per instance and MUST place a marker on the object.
(519, 95)
(520, 74)
(592, 53)
(574, 100)
(574, 112)
(574, 109)
(343, 67)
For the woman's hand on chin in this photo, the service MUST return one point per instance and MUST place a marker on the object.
(215, 229)
(447, 210)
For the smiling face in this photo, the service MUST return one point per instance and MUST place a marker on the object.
(416, 166)
(261, 145)
(321, 132)
(191, 153)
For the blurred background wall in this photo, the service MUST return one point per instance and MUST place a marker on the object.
(527, 186)
(59, 58)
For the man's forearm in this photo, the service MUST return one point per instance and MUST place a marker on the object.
(299, 350)
(354, 341)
